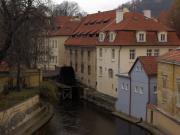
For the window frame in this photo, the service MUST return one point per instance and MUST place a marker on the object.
(141, 36)
(132, 54)
(102, 36)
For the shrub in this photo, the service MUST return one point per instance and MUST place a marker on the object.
(48, 91)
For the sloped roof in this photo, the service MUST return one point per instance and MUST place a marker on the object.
(4, 67)
(149, 64)
(172, 56)
(93, 24)
(64, 26)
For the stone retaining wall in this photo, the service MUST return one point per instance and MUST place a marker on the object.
(18, 114)
(99, 99)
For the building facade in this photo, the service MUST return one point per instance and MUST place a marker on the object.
(81, 47)
(129, 36)
(166, 115)
(62, 28)
(138, 88)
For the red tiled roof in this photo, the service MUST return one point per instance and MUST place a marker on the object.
(125, 30)
(149, 64)
(172, 56)
(64, 26)
(136, 21)
(4, 67)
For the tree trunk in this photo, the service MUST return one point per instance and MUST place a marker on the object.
(18, 77)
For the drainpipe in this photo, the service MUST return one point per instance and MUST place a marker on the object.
(173, 110)
(119, 62)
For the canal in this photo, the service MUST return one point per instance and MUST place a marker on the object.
(84, 118)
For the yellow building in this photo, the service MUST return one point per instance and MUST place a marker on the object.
(63, 28)
(29, 77)
(166, 116)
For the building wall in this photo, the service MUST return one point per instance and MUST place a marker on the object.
(161, 121)
(167, 96)
(121, 64)
(139, 91)
(86, 77)
(153, 90)
(57, 51)
(123, 100)
(105, 84)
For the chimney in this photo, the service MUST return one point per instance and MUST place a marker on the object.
(147, 13)
(120, 14)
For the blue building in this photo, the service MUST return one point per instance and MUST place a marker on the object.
(137, 88)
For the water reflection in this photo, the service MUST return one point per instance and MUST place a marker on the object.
(86, 119)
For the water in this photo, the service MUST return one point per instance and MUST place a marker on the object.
(86, 119)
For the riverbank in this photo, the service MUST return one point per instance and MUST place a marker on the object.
(23, 113)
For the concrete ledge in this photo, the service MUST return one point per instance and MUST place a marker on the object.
(134, 121)
(36, 122)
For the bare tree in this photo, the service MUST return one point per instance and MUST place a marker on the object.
(174, 16)
(67, 8)
(22, 22)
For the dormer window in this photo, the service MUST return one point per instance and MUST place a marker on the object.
(162, 36)
(141, 36)
(101, 36)
(112, 36)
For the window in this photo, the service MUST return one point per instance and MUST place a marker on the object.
(149, 52)
(156, 52)
(164, 81)
(82, 68)
(126, 88)
(110, 72)
(76, 55)
(141, 36)
(162, 36)
(178, 93)
(112, 36)
(122, 86)
(70, 51)
(82, 54)
(52, 43)
(155, 90)
(136, 89)
(132, 54)
(89, 55)
(113, 53)
(100, 71)
(141, 90)
(55, 43)
(76, 65)
(100, 52)
(101, 36)
(89, 69)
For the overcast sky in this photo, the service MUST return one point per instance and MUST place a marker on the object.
(92, 6)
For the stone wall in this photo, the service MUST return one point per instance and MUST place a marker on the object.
(163, 121)
(18, 114)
